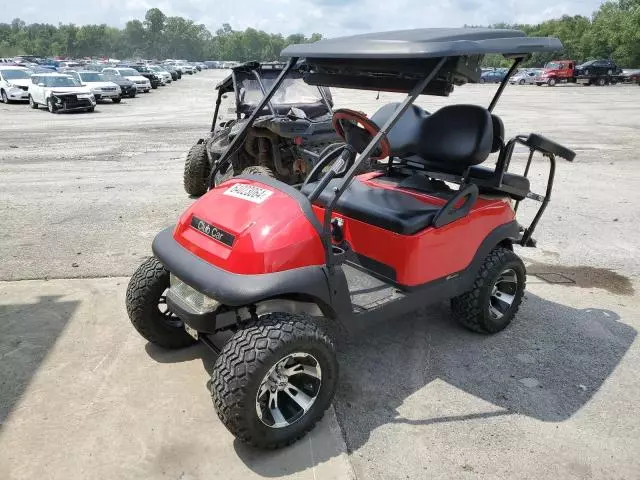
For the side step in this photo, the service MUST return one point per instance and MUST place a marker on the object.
(368, 292)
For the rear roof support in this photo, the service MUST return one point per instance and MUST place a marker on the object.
(503, 84)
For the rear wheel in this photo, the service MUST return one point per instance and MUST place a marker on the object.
(274, 380)
(196, 171)
(147, 307)
(497, 292)
(258, 170)
(32, 103)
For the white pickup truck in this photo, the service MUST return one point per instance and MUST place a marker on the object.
(60, 93)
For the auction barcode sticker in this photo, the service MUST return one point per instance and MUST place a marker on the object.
(248, 192)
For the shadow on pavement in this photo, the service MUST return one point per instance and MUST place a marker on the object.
(26, 337)
(546, 365)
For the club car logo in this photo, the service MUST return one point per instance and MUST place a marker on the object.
(213, 232)
(248, 192)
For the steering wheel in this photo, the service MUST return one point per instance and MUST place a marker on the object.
(356, 129)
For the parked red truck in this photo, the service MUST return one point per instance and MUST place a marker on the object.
(593, 72)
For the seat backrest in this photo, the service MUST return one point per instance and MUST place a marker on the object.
(456, 137)
(498, 134)
(405, 135)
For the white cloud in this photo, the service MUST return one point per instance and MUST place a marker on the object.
(329, 17)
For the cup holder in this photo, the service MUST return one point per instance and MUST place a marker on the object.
(337, 250)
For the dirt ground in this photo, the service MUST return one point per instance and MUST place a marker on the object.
(81, 395)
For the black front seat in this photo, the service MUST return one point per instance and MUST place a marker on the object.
(391, 210)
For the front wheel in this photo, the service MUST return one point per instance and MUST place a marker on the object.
(51, 106)
(147, 307)
(497, 292)
(521, 82)
(601, 82)
(116, 100)
(274, 380)
(32, 103)
(551, 82)
(5, 98)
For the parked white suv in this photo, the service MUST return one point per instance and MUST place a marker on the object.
(14, 83)
(60, 93)
(142, 84)
(101, 88)
(165, 77)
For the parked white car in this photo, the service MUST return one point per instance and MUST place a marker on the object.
(142, 84)
(525, 77)
(165, 77)
(101, 88)
(60, 93)
(14, 83)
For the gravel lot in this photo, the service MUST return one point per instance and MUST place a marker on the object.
(554, 396)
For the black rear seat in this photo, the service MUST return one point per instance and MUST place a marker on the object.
(388, 209)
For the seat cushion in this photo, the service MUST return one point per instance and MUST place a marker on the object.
(518, 186)
(389, 209)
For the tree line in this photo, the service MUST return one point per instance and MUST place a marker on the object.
(613, 31)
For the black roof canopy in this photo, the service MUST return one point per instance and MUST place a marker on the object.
(395, 61)
(425, 43)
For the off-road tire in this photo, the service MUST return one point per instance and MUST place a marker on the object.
(32, 103)
(116, 100)
(245, 360)
(196, 171)
(471, 309)
(5, 98)
(146, 286)
(259, 170)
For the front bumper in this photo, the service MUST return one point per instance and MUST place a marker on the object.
(70, 103)
(16, 93)
(109, 94)
(233, 289)
(143, 87)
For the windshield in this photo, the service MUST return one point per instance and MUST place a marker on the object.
(91, 77)
(554, 66)
(292, 91)
(156, 69)
(128, 72)
(59, 82)
(14, 74)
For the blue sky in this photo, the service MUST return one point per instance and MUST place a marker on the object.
(329, 17)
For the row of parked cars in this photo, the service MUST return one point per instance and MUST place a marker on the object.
(593, 72)
(71, 89)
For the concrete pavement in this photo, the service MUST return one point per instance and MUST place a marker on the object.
(84, 396)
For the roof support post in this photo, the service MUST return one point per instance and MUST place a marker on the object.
(503, 84)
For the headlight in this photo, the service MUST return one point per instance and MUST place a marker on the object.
(190, 297)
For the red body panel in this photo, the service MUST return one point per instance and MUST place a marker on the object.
(275, 235)
(269, 237)
(432, 253)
